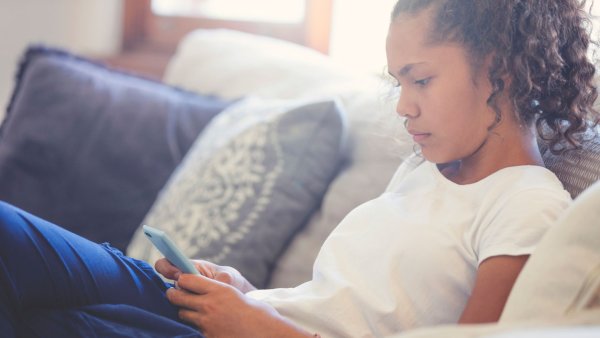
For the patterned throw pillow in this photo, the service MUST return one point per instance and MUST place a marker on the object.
(577, 169)
(248, 184)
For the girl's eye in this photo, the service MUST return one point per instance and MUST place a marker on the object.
(423, 82)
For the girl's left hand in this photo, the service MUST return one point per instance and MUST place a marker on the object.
(225, 274)
(220, 310)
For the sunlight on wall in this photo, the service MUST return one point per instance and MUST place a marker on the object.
(358, 34)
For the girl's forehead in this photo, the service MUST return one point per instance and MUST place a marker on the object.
(407, 37)
(410, 30)
(420, 21)
(409, 49)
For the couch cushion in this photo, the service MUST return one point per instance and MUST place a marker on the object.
(88, 147)
(585, 324)
(248, 185)
(277, 69)
(563, 273)
(240, 63)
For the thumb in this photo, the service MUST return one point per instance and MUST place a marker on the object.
(165, 268)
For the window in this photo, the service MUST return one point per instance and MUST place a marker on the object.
(162, 23)
(282, 11)
(352, 32)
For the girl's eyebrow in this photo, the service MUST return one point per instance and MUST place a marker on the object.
(407, 69)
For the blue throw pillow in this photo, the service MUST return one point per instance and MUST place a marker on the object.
(88, 147)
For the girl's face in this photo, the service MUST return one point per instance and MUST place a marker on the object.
(443, 99)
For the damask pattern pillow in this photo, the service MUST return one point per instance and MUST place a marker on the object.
(248, 185)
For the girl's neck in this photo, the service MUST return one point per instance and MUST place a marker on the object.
(505, 147)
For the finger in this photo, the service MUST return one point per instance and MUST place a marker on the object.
(183, 298)
(204, 268)
(198, 284)
(190, 316)
(224, 276)
(165, 268)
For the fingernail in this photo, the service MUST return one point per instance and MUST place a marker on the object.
(177, 274)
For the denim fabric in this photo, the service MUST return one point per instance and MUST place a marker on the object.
(56, 283)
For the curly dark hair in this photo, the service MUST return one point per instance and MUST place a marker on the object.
(541, 45)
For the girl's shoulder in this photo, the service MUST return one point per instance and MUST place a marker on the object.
(526, 177)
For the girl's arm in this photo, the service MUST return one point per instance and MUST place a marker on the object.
(495, 279)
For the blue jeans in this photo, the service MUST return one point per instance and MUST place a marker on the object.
(55, 283)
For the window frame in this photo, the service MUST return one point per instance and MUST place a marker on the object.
(141, 25)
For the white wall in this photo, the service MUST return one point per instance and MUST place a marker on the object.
(90, 27)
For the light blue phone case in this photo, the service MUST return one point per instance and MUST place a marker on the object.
(164, 244)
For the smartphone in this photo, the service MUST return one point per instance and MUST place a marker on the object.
(166, 246)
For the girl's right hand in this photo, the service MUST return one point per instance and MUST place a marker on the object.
(219, 310)
(223, 274)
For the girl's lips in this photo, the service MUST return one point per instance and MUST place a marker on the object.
(418, 137)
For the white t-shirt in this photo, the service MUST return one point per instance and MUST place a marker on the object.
(409, 257)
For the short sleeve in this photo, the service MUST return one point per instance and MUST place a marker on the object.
(518, 223)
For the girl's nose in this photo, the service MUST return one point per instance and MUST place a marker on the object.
(406, 107)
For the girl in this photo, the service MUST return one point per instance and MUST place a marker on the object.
(443, 244)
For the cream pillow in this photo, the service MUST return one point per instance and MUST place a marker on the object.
(563, 273)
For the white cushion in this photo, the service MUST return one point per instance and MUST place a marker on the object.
(378, 144)
(563, 273)
(232, 64)
(584, 324)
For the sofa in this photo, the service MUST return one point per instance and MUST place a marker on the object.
(249, 153)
